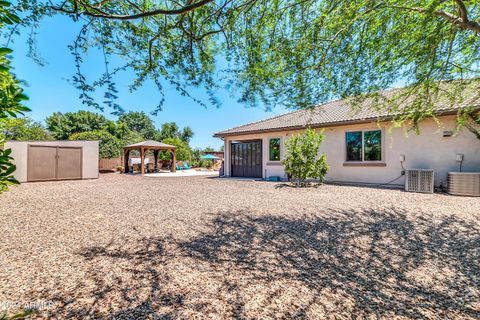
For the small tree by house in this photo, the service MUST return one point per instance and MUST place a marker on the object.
(302, 159)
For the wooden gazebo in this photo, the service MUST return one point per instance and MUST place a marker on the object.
(144, 146)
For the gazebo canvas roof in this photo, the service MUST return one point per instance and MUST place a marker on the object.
(150, 144)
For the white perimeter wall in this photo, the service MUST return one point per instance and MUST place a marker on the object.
(429, 150)
(89, 156)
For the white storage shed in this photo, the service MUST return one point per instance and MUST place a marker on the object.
(54, 160)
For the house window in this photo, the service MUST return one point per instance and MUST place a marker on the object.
(354, 146)
(364, 145)
(274, 149)
(372, 142)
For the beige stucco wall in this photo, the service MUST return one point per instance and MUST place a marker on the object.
(429, 150)
(89, 156)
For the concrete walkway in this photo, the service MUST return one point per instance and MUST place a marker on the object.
(182, 173)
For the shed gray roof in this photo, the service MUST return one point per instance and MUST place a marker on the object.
(150, 143)
(340, 112)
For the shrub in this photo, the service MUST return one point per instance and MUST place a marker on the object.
(110, 146)
(209, 165)
(6, 169)
(195, 163)
(183, 151)
(302, 160)
(201, 163)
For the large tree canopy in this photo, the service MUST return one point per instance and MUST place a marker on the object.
(24, 129)
(131, 127)
(139, 122)
(170, 130)
(297, 53)
(63, 125)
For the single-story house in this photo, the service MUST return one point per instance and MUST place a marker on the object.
(361, 146)
(54, 160)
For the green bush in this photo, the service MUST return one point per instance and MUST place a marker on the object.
(110, 146)
(183, 150)
(302, 160)
(6, 170)
(201, 163)
(209, 164)
(24, 129)
(11, 97)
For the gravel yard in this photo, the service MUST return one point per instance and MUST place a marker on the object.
(197, 247)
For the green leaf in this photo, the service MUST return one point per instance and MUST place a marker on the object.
(13, 181)
(10, 170)
(4, 51)
(6, 20)
(20, 97)
(13, 17)
(23, 108)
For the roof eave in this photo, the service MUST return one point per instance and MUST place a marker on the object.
(321, 125)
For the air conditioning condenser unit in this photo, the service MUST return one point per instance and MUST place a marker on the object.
(464, 183)
(419, 180)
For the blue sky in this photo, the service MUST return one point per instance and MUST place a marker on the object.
(49, 90)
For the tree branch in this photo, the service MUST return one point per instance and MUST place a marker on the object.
(462, 10)
(457, 21)
(101, 14)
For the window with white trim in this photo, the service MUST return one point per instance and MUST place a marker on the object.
(364, 145)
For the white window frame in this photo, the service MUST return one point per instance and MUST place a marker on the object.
(382, 146)
(280, 146)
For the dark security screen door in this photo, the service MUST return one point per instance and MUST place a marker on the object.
(247, 159)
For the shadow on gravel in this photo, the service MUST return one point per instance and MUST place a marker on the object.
(286, 185)
(352, 264)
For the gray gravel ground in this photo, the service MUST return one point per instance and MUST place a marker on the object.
(129, 247)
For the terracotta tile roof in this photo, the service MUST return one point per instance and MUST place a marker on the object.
(340, 112)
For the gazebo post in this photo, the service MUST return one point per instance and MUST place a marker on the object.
(174, 160)
(155, 157)
(126, 154)
(142, 161)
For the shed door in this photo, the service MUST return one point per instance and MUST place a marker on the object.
(69, 163)
(246, 159)
(53, 163)
(41, 163)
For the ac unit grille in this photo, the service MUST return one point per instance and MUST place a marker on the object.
(419, 180)
(464, 183)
